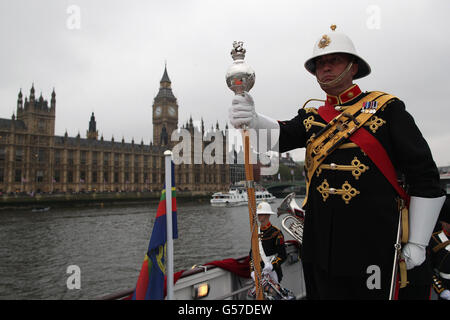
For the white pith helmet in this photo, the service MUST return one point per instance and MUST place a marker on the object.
(264, 208)
(336, 42)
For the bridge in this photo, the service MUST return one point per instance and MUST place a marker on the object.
(281, 188)
(445, 181)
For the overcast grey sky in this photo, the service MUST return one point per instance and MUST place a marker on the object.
(113, 62)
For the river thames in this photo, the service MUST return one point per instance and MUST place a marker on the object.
(108, 245)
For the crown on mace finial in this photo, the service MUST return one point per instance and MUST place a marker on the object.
(333, 27)
(238, 51)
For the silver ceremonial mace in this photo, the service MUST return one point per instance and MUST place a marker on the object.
(241, 78)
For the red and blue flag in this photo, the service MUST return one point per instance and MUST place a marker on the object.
(150, 284)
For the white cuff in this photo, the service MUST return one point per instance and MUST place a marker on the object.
(273, 130)
(423, 215)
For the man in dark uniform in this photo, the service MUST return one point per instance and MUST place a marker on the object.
(271, 240)
(352, 209)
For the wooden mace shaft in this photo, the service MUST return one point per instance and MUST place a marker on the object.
(252, 216)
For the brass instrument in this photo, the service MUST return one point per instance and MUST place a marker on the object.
(293, 223)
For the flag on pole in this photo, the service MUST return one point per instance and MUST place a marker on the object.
(150, 284)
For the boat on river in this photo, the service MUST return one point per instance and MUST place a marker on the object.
(237, 196)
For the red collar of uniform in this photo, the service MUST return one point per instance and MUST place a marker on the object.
(267, 226)
(346, 96)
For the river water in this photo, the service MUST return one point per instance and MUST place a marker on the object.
(108, 245)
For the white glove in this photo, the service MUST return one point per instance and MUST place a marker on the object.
(423, 215)
(242, 111)
(445, 294)
(268, 267)
(414, 255)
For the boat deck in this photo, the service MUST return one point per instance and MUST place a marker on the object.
(226, 285)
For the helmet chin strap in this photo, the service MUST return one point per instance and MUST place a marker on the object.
(338, 79)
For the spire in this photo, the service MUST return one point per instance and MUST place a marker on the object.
(92, 133)
(165, 77)
(53, 100)
(165, 90)
(19, 99)
(92, 123)
(32, 92)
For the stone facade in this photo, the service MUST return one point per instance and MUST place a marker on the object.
(33, 159)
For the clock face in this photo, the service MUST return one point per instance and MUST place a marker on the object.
(158, 111)
(172, 111)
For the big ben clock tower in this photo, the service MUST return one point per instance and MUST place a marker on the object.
(165, 113)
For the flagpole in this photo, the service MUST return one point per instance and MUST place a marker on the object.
(169, 243)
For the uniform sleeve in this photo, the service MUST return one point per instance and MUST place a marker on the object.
(411, 154)
(281, 249)
(292, 133)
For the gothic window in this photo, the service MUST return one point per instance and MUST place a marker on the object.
(41, 125)
(42, 156)
(18, 175)
(57, 156)
(136, 160)
(57, 176)
(70, 158)
(19, 154)
(106, 158)
(39, 176)
(83, 157)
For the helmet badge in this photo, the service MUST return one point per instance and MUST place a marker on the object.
(325, 41)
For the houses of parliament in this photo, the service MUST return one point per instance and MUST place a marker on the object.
(34, 159)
